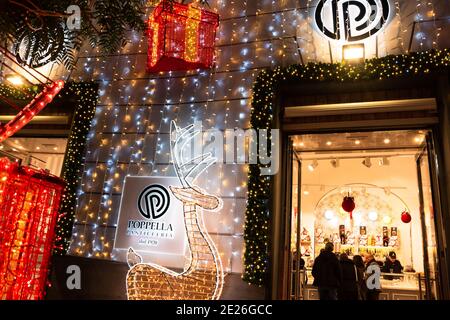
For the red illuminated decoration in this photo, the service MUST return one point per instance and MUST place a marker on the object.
(26, 113)
(30, 110)
(29, 202)
(180, 37)
(348, 204)
(406, 217)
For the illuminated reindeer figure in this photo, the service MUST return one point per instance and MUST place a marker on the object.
(202, 278)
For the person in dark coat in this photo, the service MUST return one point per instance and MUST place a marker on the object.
(360, 269)
(392, 265)
(327, 273)
(349, 285)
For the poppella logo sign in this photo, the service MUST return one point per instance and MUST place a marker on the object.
(351, 20)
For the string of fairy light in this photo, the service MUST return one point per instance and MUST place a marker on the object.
(194, 78)
(227, 95)
(264, 92)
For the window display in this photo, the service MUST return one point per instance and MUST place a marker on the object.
(360, 192)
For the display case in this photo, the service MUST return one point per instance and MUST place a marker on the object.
(404, 286)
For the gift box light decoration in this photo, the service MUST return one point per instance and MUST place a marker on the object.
(180, 37)
(29, 203)
(203, 275)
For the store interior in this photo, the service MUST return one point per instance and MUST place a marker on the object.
(379, 171)
(41, 153)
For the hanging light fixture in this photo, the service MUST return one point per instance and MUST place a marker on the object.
(367, 162)
(384, 161)
(373, 216)
(329, 214)
(335, 163)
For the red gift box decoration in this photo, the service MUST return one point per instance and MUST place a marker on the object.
(180, 37)
(29, 203)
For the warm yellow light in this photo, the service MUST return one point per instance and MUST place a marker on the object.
(419, 139)
(353, 53)
(387, 220)
(203, 275)
(15, 80)
(192, 25)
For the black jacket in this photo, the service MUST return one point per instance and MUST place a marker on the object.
(349, 283)
(327, 270)
(396, 266)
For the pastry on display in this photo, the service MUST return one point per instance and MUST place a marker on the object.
(379, 240)
(350, 238)
(306, 251)
(336, 239)
(320, 237)
(363, 241)
(393, 241)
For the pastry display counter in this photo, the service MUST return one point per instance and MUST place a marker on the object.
(405, 286)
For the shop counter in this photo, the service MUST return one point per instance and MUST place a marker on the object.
(405, 286)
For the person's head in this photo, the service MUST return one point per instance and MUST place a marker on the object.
(392, 256)
(358, 260)
(343, 256)
(368, 257)
(329, 247)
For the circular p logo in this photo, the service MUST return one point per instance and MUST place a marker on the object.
(351, 20)
(154, 201)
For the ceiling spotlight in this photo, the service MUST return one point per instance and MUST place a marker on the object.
(367, 162)
(357, 142)
(335, 163)
(312, 166)
(384, 161)
(387, 141)
(329, 143)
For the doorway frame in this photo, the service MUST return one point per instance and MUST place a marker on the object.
(279, 257)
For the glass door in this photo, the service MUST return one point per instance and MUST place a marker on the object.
(296, 264)
(428, 200)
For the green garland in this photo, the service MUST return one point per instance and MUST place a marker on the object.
(86, 102)
(85, 95)
(256, 256)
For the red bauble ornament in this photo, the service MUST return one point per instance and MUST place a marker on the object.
(348, 204)
(406, 217)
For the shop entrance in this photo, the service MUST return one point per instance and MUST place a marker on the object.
(41, 153)
(391, 178)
